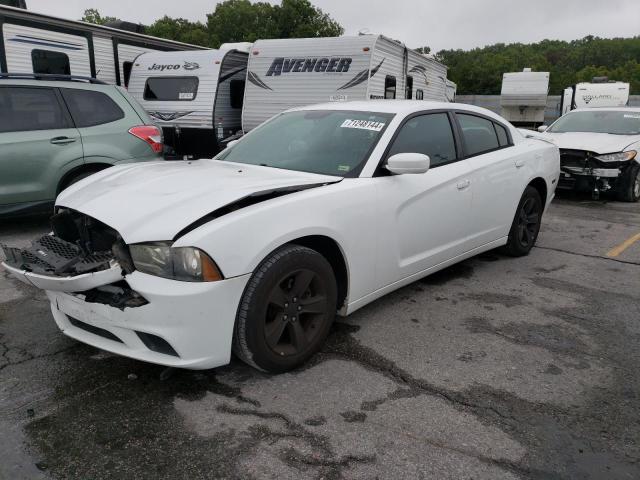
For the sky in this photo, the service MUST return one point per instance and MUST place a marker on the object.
(439, 24)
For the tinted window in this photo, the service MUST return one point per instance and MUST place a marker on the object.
(419, 94)
(237, 93)
(429, 134)
(126, 69)
(46, 61)
(503, 138)
(25, 108)
(390, 87)
(618, 122)
(409, 93)
(171, 88)
(479, 135)
(90, 108)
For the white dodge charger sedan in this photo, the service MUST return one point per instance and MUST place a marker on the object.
(317, 212)
(599, 150)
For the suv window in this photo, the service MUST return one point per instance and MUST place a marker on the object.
(46, 61)
(479, 134)
(89, 108)
(171, 88)
(430, 134)
(30, 108)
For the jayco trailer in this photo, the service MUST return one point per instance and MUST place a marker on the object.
(524, 97)
(35, 43)
(196, 97)
(288, 73)
(599, 93)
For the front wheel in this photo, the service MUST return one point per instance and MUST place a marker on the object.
(630, 185)
(286, 310)
(526, 224)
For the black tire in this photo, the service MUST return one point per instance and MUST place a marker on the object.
(526, 224)
(286, 310)
(76, 178)
(629, 189)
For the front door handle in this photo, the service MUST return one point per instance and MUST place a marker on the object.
(520, 163)
(464, 184)
(62, 140)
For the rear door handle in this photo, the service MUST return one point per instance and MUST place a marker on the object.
(520, 163)
(464, 184)
(62, 140)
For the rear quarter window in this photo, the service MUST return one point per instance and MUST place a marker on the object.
(478, 133)
(89, 108)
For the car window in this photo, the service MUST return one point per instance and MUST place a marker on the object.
(171, 88)
(503, 138)
(429, 134)
(478, 133)
(89, 108)
(25, 109)
(315, 141)
(46, 61)
(617, 122)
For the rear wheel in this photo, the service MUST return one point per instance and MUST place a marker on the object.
(526, 224)
(630, 184)
(77, 177)
(286, 310)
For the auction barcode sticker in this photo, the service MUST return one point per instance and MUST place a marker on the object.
(632, 116)
(363, 125)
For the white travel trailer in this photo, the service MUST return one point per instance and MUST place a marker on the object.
(523, 97)
(196, 97)
(452, 89)
(599, 93)
(294, 72)
(36, 43)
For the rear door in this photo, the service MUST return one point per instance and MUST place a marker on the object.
(496, 171)
(425, 219)
(38, 144)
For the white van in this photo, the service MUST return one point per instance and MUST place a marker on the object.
(195, 96)
(294, 72)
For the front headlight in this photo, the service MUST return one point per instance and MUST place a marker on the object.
(617, 157)
(187, 264)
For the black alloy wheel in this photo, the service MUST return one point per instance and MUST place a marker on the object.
(526, 224)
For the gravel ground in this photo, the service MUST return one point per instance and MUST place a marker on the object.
(496, 368)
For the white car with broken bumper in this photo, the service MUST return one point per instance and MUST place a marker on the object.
(317, 212)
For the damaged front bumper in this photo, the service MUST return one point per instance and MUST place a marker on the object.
(98, 298)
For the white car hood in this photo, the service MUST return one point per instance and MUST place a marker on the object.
(155, 201)
(591, 142)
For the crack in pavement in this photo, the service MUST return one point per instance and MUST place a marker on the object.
(586, 255)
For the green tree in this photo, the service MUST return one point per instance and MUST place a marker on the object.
(92, 15)
(423, 50)
(181, 30)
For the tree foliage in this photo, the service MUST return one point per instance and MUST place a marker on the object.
(92, 15)
(479, 71)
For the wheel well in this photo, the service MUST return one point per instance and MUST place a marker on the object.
(86, 168)
(329, 249)
(541, 186)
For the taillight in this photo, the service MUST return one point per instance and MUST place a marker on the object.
(150, 134)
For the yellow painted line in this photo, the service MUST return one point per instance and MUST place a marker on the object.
(614, 252)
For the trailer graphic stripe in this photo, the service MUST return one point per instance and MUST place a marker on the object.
(253, 78)
(46, 44)
(361, 77)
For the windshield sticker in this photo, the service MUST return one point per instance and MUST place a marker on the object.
(363, 125)
(185, 96)
(343, 168)
(632, 115)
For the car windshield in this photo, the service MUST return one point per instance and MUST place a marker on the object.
(599, 121)
(328, 142)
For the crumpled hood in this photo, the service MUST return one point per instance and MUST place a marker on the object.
(591, 142)
(154, 201)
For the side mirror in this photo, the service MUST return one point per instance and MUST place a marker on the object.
(407, 163)
(542, 128)
(232, 143)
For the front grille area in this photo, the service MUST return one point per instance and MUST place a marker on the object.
(101, 332)
(574, 158)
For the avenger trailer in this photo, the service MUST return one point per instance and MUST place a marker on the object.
(196, 97)
(288, 73)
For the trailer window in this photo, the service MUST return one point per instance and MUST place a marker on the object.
(170, 89)
(126, 69)
(390, 87)
(409, 93)
(419, 94)
(236, 88)
(46, 61)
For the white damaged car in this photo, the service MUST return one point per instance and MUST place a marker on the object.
(317, 212)
(599, 150)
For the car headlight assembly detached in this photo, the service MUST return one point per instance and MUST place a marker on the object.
(617, 157)
(186, 264)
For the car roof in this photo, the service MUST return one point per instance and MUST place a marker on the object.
(405, 107)
(54, 83)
